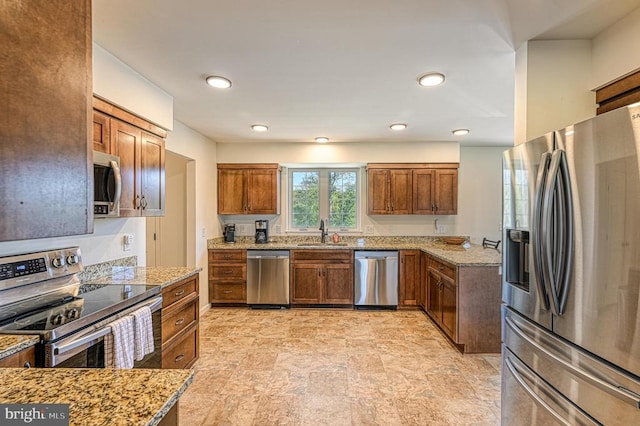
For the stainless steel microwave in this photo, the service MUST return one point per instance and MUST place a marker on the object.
(107, 185)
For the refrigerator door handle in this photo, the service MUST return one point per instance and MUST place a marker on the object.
(522, 376)
(536, 225)
(565, 258)
(614, 389)
(551, 226)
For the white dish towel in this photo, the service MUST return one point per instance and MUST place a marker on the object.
(142, 333)
(122, 331)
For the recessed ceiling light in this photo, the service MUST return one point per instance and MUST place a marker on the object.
(398, 126)
(218, 82)
(431, 79)
(460, 132)
(322, 139)
(259, 128)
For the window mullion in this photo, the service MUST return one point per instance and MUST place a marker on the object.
(324, 194)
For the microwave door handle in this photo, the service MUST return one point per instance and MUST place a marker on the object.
(118, 178)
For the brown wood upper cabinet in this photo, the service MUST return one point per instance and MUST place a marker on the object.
(45, 148)
(141, 148)
(248, 189)
(413, 188)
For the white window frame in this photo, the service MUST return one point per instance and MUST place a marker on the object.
(324, 197)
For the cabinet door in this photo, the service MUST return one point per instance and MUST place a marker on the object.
(126, 142)
(101, 131)
(433, 297)
(423, 191)
(231, 191)
(378, 191)
(152, 175)
(409, 285)
(446, 189)
(424, 278)
(401, 191)
(338, 284)
(449, 307)
(262, 191)
(305, 283)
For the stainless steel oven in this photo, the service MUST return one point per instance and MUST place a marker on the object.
(40, 294)
(85, 349)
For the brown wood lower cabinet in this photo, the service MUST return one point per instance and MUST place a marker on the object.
(180, 319)
(321, 277)
(25, 358)
(464, 301)
(409, 281)
(227, 276)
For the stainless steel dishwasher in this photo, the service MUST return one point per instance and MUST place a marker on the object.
(268, 278)
(376, 278)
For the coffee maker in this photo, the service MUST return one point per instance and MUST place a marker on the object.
(229, 233)
(262, 231)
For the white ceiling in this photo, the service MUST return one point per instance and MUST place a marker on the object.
(345, 69)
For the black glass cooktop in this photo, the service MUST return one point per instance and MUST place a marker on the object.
(70, 314)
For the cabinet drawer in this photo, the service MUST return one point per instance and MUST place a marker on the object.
(345, 256)
(443, 268)
(221, 256)
(228, 272)
(183, 353)
(175, 322)
(179, 291)
(228, 293)
(20, 359)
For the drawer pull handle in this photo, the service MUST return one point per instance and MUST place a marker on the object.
(27, 364)
(180, 321)
(227, 292)
(180, 293)
(226, 257)
(179, 358)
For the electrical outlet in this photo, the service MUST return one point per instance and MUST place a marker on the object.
(127, 241)
(204, 232)
(368, 229)
(278, 230)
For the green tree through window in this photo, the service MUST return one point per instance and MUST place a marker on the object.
(323, 193)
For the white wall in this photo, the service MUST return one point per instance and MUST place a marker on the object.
(558, 85)
(615, 50)
(479, 169)
(122, 85)
(191, 144)
(104, 244)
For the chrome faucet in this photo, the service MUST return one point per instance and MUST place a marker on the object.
(324, 230)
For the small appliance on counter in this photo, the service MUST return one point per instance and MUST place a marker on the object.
(262, 231)
(229, 233)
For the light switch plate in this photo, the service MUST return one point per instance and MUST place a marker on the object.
(278, 230)
(368, 229)
(127, 240)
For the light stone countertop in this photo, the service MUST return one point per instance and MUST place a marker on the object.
(476, 255)
(98, 396)
(151, 275)
(14, 343)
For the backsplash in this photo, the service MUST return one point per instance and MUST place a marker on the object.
(371, 240)
(91, 272)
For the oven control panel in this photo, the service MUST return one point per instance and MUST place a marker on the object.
(33, 267)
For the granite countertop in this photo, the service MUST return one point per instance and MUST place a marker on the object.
(98, 396)
(14, 343)
(151, 275)
(476, 255)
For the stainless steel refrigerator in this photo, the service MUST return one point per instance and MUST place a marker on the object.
(571, 275)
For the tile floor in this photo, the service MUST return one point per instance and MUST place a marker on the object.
(335, 367)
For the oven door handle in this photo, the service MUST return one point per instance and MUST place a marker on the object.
(96, 336)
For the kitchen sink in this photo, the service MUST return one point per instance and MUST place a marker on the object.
(321, 244)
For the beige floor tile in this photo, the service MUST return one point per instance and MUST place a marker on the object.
(335, 367)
